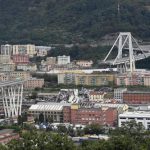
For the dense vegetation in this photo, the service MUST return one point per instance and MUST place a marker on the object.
(80, 53)
(71, 21)
(131, 136)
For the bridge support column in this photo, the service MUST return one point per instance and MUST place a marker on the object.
(122, 68)
(12, 99)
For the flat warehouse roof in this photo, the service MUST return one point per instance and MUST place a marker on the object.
(48, 106)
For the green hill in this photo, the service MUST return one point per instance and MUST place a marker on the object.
(71, 21)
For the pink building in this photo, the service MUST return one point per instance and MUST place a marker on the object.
(34, 83)
(130, 79)
(18, 59)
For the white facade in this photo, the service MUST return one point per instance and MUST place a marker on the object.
(63, 60)
(42, 50)
(50, 110)
(118, 94)
(6, 49)
(7, 67)
(27, 67)
(142, 117)
(84, 63)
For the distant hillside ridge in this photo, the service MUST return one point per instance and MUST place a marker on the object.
(71, 21)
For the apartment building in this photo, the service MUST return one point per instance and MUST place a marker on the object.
(28, 49)
(92, 79)
(27, 67)
(42, 50)
(7, 67)
(136, 97)
(19, 75)
(118, 94)
(20, 58)
(4, 77)
(5, 59)
(136, 78)
(6, 49)
(66, 78)
(34, 83)
(63, 60)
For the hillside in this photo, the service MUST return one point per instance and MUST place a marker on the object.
(71, 21)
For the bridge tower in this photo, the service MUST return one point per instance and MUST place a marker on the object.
(125, 42)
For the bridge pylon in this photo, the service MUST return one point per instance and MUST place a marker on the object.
(128, 52)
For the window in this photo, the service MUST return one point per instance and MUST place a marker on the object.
(140, 118)
(131, 118)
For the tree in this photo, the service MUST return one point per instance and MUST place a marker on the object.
(94, 129)
(62, 129)
(3, 147)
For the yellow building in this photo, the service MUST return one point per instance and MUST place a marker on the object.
(19, 75)
(94, 79)
(5, 59)
(24, 49)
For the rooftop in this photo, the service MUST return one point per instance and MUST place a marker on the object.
(110, 105)
(135, 114)
(48, 106)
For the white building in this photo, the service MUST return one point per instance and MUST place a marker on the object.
(49, 110)
(118, 94)
(6, 49)
(119, 107)
(7, 67)
(42, 50)
(27, 67)
(84, 63)
(63, 60)
(142, 117)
